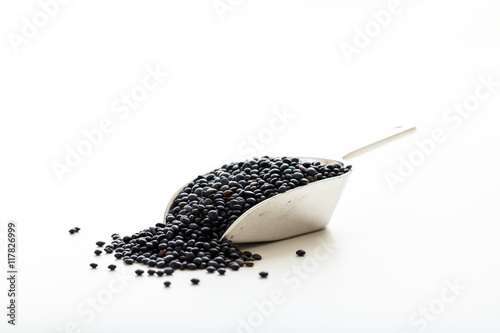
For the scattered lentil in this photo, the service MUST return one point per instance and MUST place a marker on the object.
(300, 253)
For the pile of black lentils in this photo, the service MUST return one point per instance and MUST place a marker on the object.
(189, 238)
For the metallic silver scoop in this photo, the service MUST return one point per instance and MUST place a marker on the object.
(298, 211)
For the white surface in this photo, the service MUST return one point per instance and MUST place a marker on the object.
(395, 248)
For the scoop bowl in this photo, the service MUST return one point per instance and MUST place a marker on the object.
(300, 210)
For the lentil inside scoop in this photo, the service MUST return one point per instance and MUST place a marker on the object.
(206, 207)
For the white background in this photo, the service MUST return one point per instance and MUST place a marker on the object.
(395, 248)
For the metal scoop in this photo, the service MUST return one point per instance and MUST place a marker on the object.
(301, 210)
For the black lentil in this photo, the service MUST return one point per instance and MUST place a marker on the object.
(300, 253)
(263, 274)
(100, 243)
(257, 256)
(169, 270)
(221, 271)
(195, 281)
(151, 271)
(93, 265)
(139, 272)
(167, 283)
(112, 267)
(97, 252)
(76, 229)
(72, 231)
(234, 266)
(213, 214)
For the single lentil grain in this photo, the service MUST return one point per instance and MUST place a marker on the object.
(300, 253)
(257, 256)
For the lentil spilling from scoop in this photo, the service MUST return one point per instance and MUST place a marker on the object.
(189, 238)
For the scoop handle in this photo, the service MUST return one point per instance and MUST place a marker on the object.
(396, 133)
